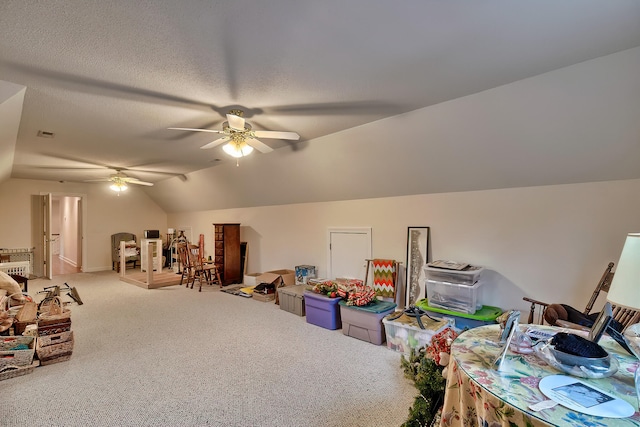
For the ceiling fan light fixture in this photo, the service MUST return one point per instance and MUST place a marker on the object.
(237, 149)
(119, 186)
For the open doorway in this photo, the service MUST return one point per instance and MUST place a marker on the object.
(66, 234)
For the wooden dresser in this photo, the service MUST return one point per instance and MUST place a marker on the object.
(226, 239)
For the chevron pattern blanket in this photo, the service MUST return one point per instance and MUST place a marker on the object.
(384, 277)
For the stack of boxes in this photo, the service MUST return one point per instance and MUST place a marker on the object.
(55, 348)
(55, 337)
(454, 300)
(454, 291)
(16, 356)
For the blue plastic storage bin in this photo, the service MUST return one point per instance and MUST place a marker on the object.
(322, 311)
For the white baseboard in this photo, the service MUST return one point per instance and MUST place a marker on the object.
(95, 269)
(68, 261)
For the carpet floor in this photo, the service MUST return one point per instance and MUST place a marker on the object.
(178, 357)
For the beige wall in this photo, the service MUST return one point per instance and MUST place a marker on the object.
(106, 214)
(550, 243)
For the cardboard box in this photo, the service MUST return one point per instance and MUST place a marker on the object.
(304, 273)
(279, 277)
(263, 297)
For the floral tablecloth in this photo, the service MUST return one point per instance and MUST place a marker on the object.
(477, 395)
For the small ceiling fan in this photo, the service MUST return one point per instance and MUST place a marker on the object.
(119, 181)
(240, 136)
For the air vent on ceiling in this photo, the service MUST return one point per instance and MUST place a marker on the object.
(46, 134)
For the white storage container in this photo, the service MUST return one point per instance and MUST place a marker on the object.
(250, 279)
(403, 334)
(454, 296)
(467, 277)
(156, 254)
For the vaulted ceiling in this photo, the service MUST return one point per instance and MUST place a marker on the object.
(376, 89)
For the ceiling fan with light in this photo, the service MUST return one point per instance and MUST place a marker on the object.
(119, 181)
(240, 137)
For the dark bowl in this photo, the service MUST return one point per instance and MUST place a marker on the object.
(588, 362)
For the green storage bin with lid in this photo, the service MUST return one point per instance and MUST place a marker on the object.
(487, 315)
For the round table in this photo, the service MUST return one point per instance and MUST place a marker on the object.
(478, 395)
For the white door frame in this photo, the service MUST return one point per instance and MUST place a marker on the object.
(82, 222)
(46, 235)
(358, 230)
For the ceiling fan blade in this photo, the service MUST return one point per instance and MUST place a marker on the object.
(259, 145)
(71, 168)
(197, 130)
(215, 143)
(235, 122)
(97, 180)
(277, 135)
(135, 181)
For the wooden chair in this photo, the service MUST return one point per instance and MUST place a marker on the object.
(623, 315)
(185, 263)
(203, 272)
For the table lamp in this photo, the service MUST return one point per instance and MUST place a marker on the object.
(625, 287)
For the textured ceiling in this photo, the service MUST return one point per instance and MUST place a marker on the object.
(108, 78)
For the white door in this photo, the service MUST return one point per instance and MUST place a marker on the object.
(349, 248)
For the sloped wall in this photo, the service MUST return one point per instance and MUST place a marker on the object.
(11, 100)
(575, 124)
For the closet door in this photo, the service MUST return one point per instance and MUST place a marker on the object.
(349, 248)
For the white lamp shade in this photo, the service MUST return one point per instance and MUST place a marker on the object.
(625, 287)
(237, 149)
(118, 186)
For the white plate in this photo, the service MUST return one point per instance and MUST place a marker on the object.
(579, 396)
